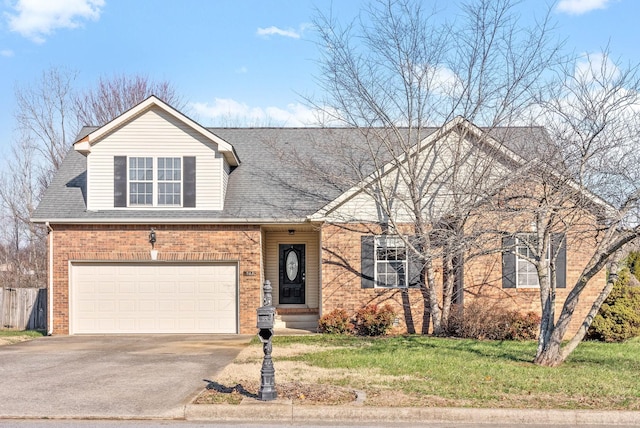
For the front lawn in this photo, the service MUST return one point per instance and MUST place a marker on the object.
(423, 371)
(8, 337)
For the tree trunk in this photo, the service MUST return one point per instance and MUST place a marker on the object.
(551, 355)
(436, 313)
(554, 354)
(449, 273)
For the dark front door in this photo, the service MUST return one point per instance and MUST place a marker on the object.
(292, 274)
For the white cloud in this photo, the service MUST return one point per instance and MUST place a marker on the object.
(36, 19)
(270, 31)
(578, 7)
(595, 67)
(6, 53)
(229, 112)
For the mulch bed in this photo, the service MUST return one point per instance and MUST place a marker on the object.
(297, 392)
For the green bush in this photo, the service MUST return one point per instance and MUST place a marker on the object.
(633, 263)
(619, 315)
(337, 321)
(492, 322)
(373, 320)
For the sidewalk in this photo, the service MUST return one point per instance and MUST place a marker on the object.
(284, 411)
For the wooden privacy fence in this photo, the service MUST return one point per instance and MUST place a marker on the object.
(23, 308)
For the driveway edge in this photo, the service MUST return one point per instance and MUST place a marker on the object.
(286, 411)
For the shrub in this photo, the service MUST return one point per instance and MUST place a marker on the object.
(633, 263)
(619, 315)
(523, 326)
(481, 321)
(373, 320)
(335, 322)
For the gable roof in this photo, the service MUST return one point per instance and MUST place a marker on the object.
(84, 143)
(458, 124)
(266, 187)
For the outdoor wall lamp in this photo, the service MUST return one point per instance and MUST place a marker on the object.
(152, 241)
(292, 232)
(152, 237)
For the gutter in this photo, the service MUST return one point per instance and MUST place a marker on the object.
(50, 279)
(165, 220)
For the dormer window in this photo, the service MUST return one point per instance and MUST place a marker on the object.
(159, 186)
(169, 181)
(140, 181)
(154, 181)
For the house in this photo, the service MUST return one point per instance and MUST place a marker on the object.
(160, 225)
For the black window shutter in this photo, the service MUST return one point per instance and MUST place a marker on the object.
(508, 262)
(189, 182)
(119, 181)
(558, 239)
(367, 261)
(414, 263)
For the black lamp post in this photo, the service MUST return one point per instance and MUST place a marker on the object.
(266, 321)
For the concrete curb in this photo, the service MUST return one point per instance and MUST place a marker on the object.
(285, 411)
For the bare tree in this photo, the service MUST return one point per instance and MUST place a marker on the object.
(591, 157)
(24, 252)
(111, 97)
(399, 76)
(45, 117)
(49, 114)
(399, 73)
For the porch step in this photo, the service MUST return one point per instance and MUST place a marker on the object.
(297, 321)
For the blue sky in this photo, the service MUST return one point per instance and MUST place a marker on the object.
(242, 59)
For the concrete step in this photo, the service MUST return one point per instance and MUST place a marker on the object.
(308, 322)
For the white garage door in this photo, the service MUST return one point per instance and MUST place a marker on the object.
(153, 298)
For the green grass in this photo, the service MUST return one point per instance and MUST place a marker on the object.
(29, 333)
(482, 373)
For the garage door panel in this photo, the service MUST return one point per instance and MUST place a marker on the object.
(153, 298)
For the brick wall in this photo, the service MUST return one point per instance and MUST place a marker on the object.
(174, 243)
(341, 282)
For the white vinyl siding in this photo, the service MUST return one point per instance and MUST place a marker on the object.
(155, 134)
(436, 160)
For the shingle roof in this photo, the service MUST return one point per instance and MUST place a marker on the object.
(266, 187)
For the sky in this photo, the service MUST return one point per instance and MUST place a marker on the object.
(245, 59)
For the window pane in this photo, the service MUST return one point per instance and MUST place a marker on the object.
(391, 262)
(140, 188)
(526, 273)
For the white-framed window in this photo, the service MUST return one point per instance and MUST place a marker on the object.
(526, 273)
(140, 181)
(169, 181)
(155, 181)
(390, 262)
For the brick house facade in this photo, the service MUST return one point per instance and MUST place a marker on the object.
(226, 216)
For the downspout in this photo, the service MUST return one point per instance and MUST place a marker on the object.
(50, 278)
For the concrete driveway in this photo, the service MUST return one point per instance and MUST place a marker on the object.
(151, 376)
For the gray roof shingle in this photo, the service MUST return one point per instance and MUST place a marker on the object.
(268, 186)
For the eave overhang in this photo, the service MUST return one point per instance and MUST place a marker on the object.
(84, 145)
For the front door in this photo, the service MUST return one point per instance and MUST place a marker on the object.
(292, 276)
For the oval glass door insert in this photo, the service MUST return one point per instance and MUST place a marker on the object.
(292, 265)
